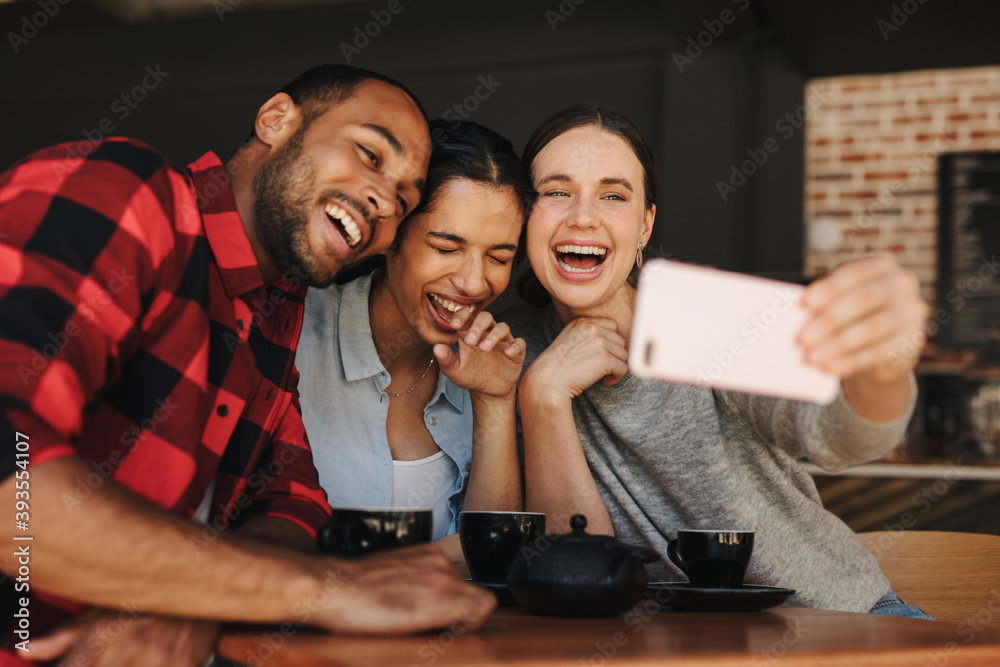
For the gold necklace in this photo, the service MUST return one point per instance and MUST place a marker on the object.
(417, 382)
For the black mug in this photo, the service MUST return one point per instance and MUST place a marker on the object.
(356, 531)
(491, 541)
(712, 558)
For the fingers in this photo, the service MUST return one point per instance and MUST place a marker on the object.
(487, 333)
(407, 590)
(461, 318)
(498, 336)
(862, 342)
(864, 314)
(618, 369)
(847, 278)
(477, 327)
(55, 644)
(445, 357)
(517, 350)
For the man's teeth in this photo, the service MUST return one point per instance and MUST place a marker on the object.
(582, 249)
(346, 221)
(450, 305)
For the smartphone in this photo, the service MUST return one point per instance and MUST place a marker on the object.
(698, 325)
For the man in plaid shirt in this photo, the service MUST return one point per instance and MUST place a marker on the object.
(148, 322)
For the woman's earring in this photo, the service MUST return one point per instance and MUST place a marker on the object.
(638, 256)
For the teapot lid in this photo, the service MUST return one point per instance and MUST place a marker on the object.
(580, 538)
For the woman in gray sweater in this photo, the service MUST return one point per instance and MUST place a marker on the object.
(643, 459)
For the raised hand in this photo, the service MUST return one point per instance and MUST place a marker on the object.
(587, 350)
(867, 318)
(489, 358)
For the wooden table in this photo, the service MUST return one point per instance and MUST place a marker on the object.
(782, 637)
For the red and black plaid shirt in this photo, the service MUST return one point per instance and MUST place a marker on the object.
(136, 332)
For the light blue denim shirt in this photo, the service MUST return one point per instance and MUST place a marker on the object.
(345, 407)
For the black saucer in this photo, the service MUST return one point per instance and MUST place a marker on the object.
(685, 597)
(504, 596)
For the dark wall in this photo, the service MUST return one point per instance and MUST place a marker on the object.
(701, 117)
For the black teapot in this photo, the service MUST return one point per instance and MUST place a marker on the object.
(579, 574)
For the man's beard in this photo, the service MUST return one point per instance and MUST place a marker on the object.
(282, 201)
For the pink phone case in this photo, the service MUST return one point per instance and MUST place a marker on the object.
(697, 325)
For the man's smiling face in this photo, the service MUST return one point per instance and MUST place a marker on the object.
(335, 192)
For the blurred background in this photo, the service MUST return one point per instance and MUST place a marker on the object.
(790, 136)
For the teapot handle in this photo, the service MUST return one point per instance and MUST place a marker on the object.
(674, 556)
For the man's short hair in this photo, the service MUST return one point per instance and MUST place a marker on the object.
(317, 89)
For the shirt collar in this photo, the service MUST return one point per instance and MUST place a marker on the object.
(452, 393)
(357, 347)
(224, 229)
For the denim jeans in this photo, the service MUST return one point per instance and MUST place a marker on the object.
(891, 605)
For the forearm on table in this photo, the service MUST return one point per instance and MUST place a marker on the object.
(495, 476)
(557, 479)
(113, 548)
(278, 532)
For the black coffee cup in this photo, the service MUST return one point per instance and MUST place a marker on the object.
(491, 540)
(356, 531)
(712, 558)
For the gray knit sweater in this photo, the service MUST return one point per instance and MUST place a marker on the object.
(667, 457)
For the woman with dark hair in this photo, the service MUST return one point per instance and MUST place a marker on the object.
(642, 458)
(395, 417)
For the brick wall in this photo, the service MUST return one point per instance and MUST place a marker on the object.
(871, 164)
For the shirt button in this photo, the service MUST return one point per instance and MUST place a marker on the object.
(223, 410)
(433, 420)
(468, 467)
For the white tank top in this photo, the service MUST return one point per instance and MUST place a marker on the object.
(426, 483)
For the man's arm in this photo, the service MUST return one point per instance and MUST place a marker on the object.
(104, 637)
(115, 548)
(278, 532)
